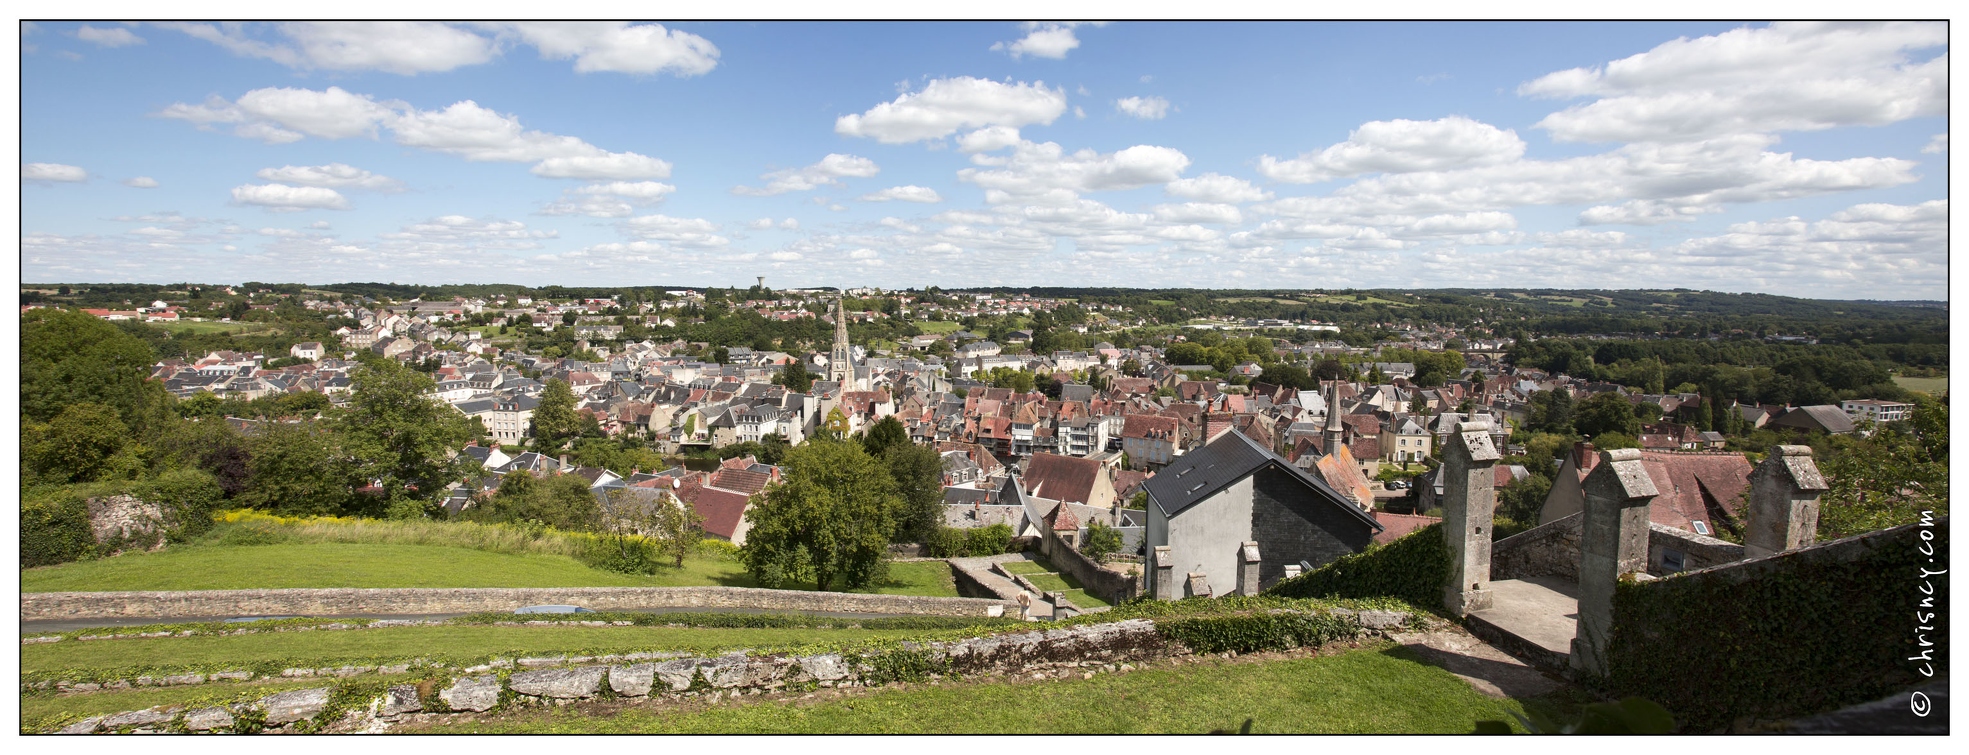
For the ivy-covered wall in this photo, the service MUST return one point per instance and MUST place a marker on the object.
(1808, 631)
(1414, 568)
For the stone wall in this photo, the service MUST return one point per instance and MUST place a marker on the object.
(1552, 550)
(1548, 550)
(351, 601)
(1112, 586)
(116, 517)
(1059, 652)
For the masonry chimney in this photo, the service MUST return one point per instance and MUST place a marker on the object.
(1583, 458)
(563, 462)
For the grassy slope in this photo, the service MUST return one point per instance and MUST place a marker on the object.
(1360, 692)
(939, 327)
(1925, 385)
(221, 567)
(454, 642)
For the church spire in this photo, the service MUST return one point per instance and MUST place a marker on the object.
(1335, 431)
(840, 362)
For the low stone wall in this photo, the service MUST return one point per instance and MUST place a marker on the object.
(1552, 550)
(480, 689)
(1548, 550)
(1082, 650)
(1112, 586)
(350, 601)
(976, 579)
(1698, 551)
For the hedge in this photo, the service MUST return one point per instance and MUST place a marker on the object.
(1812, 636)
(1414, 568)
(55, 529)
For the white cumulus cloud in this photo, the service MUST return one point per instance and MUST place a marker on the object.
(1217, 188)
(1044, 172)
(1045, 39)
(284, 198)
(140, 182)
(828, 172)
(1145, 108)
(1400, 146)
(613, 199)
(332, 175)
(1937, 145)
(1784, 77)
(945, 106)
(619, 46)
(52, 172)
(921, 194)
(114, 36)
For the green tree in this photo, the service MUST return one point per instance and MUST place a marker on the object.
(1102, 541)
(1551, 412)
(554, 420)
(773, 448)
(795, 377)
(399, 436)
(1889, 478)
(561, 501)
(830, 518)
(885, 434)
(296, 470)
(1605, 413)
(73, 358)
(918, 472)
(85, 443)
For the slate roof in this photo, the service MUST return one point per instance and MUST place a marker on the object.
(1825, 417)
(1200, 474)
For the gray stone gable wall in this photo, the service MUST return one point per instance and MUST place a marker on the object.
(1292, 524)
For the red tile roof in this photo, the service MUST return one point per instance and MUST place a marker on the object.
(1142, 425)
(1400, 524)
(1062, 478)
(1690, 482)
(722, 509)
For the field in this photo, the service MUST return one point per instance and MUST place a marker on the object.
(939, 327)
(1933, 386)
(1367, 691)
(214, 327)
(226, 567)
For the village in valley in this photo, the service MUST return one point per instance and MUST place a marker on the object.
(1394, 436)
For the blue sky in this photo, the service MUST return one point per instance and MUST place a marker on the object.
(1804, 160)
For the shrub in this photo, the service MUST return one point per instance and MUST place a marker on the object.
(1244, 633)
(55, 529)
(947, 542)
(1414, 568)
(624, 554)
(989, 541)
(1101, 541)
(186, 496)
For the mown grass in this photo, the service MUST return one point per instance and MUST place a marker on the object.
(1041, 574)
(214, 327)
(451, 642)
(1364, 692)
(239, 567)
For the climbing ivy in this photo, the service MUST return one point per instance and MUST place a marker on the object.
(1815, 636)
(1245, 633)
(1414, 568)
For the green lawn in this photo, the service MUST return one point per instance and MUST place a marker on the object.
(1041, 574)
(1933, 386)
(1363, 692)
(231, 567)
(454, 642)
(1025, 567)
(939, 327)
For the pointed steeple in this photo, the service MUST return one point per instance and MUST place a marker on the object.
(840, 362)
(1335, 431)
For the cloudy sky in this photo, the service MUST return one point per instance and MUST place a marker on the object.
(1797, 159)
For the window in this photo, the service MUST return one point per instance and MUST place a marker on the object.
(1702, 528)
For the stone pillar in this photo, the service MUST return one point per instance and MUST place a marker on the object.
(1247, 568)
(1291, 570)
(1198, 586)
(1056, 598)
(1469, 499)
(1165, 574)
(1613, 542)
(1784, 502)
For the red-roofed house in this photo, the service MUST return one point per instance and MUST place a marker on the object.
(1399, 525)
(1069, 479)
(1149, 441)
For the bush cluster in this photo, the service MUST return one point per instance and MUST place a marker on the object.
(1414, 569)
(55, 525)
(951, 542)
(1248, 632)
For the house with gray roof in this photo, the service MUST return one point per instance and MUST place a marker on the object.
(1209, 503)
